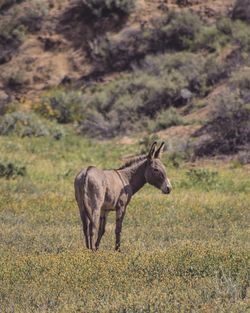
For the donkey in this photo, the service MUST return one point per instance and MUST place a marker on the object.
(99, 191)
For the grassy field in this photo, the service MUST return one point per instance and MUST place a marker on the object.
(186, 252)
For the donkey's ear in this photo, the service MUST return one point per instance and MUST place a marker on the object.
(159, 151)
(152, 151)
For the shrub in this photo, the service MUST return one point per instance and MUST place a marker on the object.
(15, 78)
(179, 149)
(100, 8)
(167, 119)
(215, 71)
(229, 127)
(121, 52)
(187, 69)
(240, 33)
(61, 105)
(175, 31)
(133, 101)
(4, 4)
(244, 156)
(97, 125)
(146, 142)
(27, 17)
(11, 170)
(241, 80)
(4, 101)
(27, 124)
(241, 10)
(225, 25)
(209, 38)
(203, 178)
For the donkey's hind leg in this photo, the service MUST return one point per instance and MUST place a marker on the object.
(93, 228)
(85, 227)
(84, 218)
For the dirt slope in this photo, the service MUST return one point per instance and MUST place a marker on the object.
(56, 52)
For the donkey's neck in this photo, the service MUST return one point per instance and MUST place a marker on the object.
(135, 175)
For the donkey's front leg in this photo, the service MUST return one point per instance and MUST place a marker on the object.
(120, 212)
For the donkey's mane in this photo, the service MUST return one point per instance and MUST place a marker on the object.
(133, 160)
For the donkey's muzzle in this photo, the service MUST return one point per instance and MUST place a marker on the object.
(166, 188)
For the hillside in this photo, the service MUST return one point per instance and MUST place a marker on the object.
(160, 67)
(56, 36)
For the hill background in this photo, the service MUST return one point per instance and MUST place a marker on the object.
(176, 69)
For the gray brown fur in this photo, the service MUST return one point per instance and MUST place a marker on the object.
(99, 191)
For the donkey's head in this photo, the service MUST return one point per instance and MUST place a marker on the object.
(155, 172)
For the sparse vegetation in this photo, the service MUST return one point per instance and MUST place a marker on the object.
(203, 178)
(26, 125)
(20, 20)
(102, 8)
(229, 126)
(11, 170)
(167, 119)
(186, 250)
(63, 106)
(242, 10)
(145, 98)
(5, 4)
(15, 79)
(241, 35)
(175, 31)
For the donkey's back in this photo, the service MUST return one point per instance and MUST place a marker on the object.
(98, 189)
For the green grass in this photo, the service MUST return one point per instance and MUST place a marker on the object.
(186, 252)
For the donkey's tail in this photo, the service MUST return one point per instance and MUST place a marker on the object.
(80, 190)
(87, 207)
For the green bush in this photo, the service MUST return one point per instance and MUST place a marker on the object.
(63, 106)
(241, 35)
(241, 80)
(102, 126)
(101, 8)
(202, 177)
(146, 142)
(167, 118)
(26, 125)
(210, 180)
(20, 20)
(210, 38)
(11, 170)
(225, 25)
(175, 31)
